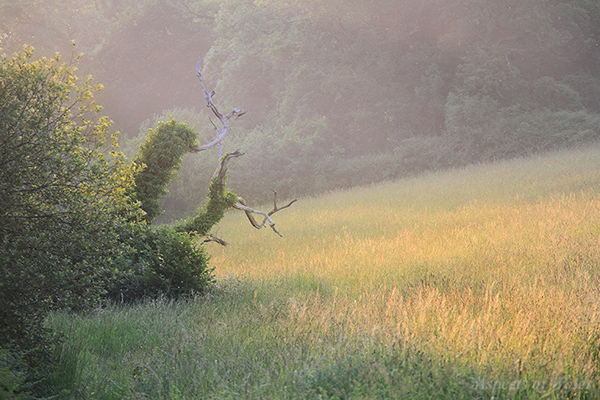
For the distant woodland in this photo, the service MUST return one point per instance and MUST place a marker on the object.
(338, 92)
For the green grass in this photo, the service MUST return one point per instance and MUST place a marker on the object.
(481, 282)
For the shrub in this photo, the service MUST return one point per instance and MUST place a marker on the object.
(71, 230)
(12, 376)
(158, 261)
(62, 196)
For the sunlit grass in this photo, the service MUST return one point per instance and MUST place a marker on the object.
(478, 282)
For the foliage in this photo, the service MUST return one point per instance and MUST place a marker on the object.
(158, 262)
(12, 376)
(159, 159)
(71, 230)
(61, 197)
(212, 212)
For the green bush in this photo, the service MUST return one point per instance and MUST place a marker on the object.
(12, 376)
(71, 229)
(62, 196)
(158, 261)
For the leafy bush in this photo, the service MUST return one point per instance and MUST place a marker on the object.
(158, 261)
(12, 376)
(61, 198)
(71, 229)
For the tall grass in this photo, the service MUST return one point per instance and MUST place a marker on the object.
(482, 282)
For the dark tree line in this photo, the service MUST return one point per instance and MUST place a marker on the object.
(354, 92)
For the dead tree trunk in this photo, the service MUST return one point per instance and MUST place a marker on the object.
(220, 174)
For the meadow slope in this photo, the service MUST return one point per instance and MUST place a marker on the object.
(480, 282)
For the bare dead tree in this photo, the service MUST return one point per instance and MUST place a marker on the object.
(224, 119)
(221, 172)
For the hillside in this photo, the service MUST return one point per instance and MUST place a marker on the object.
(480, 282)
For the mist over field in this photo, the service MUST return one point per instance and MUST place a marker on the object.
(444, 158)
(338, 93)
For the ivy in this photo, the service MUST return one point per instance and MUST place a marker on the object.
(159, 160)
(212, 212)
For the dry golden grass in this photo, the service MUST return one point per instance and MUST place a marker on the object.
(496, 266)
(483, 282)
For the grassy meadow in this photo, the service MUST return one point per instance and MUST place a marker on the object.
(476, 283)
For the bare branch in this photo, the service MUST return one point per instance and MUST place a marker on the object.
(213, 238)
(241, 205)
(249, 211)
(222, 171)
(275, 208)
(221, 132)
